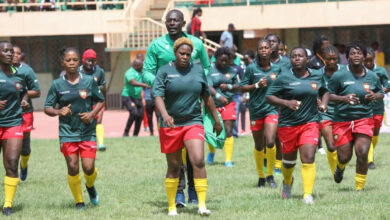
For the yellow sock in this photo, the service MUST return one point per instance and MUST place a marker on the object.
(287, 175)
(371, 150)
(259, 158)
(10, 185)
(278, 164)
(171, 188)
(211, 149)
(332, 160)
(229, 145)
(374, 141)
(75, 187)
(184, 155)
(24, 160)
(271, 156)
(308, 177)
(341, 166)
(201, 191)
(360, 180)
(100, 134)
(90, 180)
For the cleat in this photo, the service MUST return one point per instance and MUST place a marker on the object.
(371, 166)
(101, 147)
(204, 212)
(322, 151)
(172, 213)
(210, 158)
(360, 191)
(125, 134)
(229, 164)
(271, 181)
(308, 200)
(23, 173)
(180, 200)
(338, 175)
(80, 206)
(7, 211)
(286, 191)
(192, 196)
(261, 183)
(93, 195)
(278, 171)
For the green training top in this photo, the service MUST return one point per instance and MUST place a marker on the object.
(81, 96)
(11, 89)
(97, 73)
(218, 77)
(258, 107)
(160, 53)
(283, 62)
(378, 106)
(344, 82)
(330, 113)
(31, 81)
(130, 90)
(288, 86)
(181, 91)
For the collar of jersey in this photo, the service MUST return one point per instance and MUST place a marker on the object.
(323, 68)
(63, 77)
(292, 72)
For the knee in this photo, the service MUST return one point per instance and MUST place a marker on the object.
(12, 165)
(343, 158)
(270, 142)
(73, 168)
(88, 169)
(173, 170)
(307, 157)
(198, 164)
(259, 147)
(26, 149)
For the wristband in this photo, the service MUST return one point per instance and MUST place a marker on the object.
(257, 85)
(217, 95)
(230, 86)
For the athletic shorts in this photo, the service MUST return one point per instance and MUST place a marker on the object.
(378, 121)
(228, 112)
(343, 131)
(172, 139)
(258, 125)
(86, 149)
(325, 123)
(97, 115)
(28, 120)
(11, 132)
(291, 138)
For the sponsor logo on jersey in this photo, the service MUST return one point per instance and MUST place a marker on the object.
(3, 80)
(366, 87)
(349, 82)
(95, 78)
(215, 74)
(18, 85)
(294, 83)
(314, 85)
(257, 74)
(173, 76)
(272, 76)
(64, 92)
(83, 93)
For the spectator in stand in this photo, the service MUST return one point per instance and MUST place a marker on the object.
(379, 55)
(282, 49)
(196, 23)
(342, 57)
(227, 37)
(317, 61)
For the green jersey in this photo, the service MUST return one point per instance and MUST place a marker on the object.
(97, 74)
(378, 106)
(328, 115)
(130, 90)
(160, 53)
(218, 77)
(11, 89)
(31, 81)
(181, 91)
(306, 90)
(283, 62)
(81, 96)
(258, 107)
(344, 82)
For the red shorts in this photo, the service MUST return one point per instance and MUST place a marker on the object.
(28, 120)
(11, 132)
(378, 121)
(291, 138)
(258, 124)
(342, 131)
(325, 123)
(101, 110)
(87, 149)
(172, 139)
(228, 112)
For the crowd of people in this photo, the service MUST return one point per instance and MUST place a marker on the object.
(292, 100)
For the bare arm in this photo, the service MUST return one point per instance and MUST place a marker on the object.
(168, 120)
(291, 104)
(134, 82)
(34, 93)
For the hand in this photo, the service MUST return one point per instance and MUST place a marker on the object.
(168, 121)
(65, 111)
(371, 96)
(223, 100)
(223, 87)
(262, 82)
(25, 105)
(2, 104)
(293, 104)
(323, 108)
(351, 99)
(217, 127)
(86, 117)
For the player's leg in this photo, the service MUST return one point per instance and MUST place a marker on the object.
(331, 153)
(88, 154)
(308, 170)
(377, 127)
(229, 142)
(270, 128)
(362, 145)
(100, 131)
(139, 116)
(130, 106)
(258, 151)
(172, 179)
(25, 155)
(71, 153)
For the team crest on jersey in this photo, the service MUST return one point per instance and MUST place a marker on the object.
(335, 137)
(314, 85)
(272, 76)
(18, 86)
(95, 78)
(227, 75)
(366, 87)
(83, 93)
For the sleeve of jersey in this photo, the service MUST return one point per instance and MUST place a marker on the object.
(247, 79)
(276, 87)
(205, 86)
(323, 89)
(97, 95)
(32, 81)
(204, 59)
(385, 79)
(159, 84)
(333, 85)
(150, 66)
(52, 98)
(102, 81)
